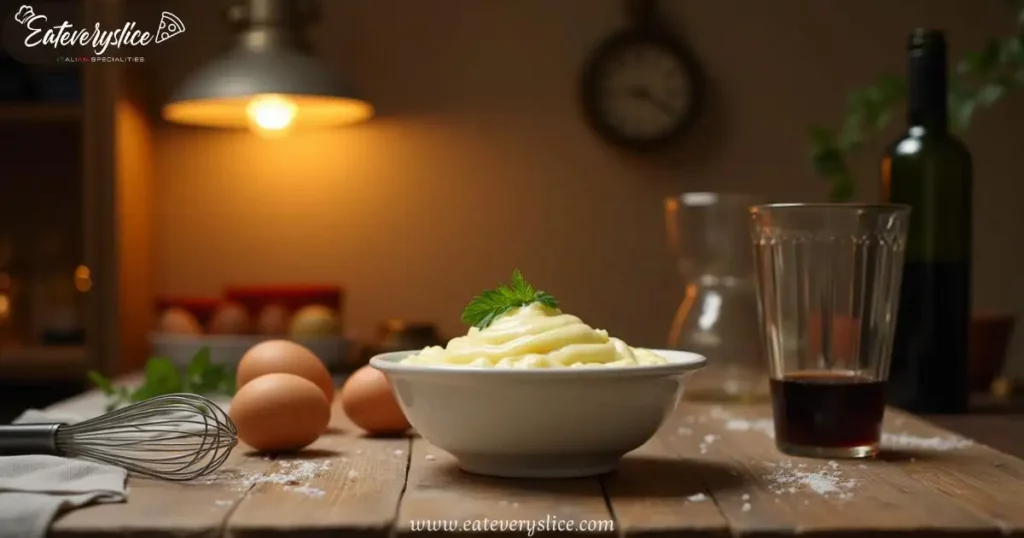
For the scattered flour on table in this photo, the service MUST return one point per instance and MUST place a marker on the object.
(746, 496)
(763, 425)
(431, 457)
(746, 507)
(739, 424)
(709, 439)
(220, 502)
(826, 481)
(399, 452)
(293, 474)
(312, 492)
(683, 431)
(892, 440)
(697, 497)
(943, 442)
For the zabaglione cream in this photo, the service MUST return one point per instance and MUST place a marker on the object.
(535, 336)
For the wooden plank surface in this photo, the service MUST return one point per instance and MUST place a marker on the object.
(344, 484)
(710, 471)
(777, 494)
(655, 493)
(466, 505)
(156, 508)
(1002, 432)
(986, 480)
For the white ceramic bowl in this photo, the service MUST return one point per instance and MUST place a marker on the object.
(538, 423)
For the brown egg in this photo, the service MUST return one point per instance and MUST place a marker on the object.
(368, 401)
(230, 318)
(315, 321)
(273, 320)
(177, 320)
(280, 413)
(284, 357)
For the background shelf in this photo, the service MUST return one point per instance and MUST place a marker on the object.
(40, 112)
(44, 362)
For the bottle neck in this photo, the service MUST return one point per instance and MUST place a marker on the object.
(927, 87)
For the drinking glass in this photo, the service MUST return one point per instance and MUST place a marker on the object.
(828, 279)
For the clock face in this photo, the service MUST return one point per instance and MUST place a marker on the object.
(639, 91)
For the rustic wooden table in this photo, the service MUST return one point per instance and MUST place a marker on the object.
(711, 470)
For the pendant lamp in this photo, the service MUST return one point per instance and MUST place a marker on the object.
(269, 82)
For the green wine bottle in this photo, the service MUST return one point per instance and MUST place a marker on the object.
(930, 170)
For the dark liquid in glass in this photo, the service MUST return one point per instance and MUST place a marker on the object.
(828, 409)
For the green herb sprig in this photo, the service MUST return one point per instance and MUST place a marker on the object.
(492, 304)
(980, 80)
(201, 376)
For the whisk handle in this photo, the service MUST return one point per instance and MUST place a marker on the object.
(18, 439)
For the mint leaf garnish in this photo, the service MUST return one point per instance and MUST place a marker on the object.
(489, 305)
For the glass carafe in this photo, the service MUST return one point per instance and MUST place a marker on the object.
(709, 236)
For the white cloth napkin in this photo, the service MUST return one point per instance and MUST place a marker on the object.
(35, 489)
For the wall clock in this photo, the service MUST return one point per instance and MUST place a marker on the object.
(641, 88)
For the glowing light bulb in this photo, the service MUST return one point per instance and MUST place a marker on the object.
(271, 115)
(83, 279)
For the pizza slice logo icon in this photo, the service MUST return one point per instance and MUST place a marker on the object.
(170, 26)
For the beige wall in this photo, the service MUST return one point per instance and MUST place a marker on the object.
(480, 161)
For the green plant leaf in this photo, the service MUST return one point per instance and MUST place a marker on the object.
(162, 377)
(961, 114)
(828, 162)
(821, 137)
(892, 88)
(200, 362)
(1012, 50)
(205, 377)
(842, 189)
(491, 304)
(520, 286)
(227, 385)
(101, 382)
(981, 79)
(546, 299)
(990, 93)
(883, 119)
(982, 62)
(891, 91)
(1018, 8)
(852, 135)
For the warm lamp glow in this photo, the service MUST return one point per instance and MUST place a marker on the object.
(83, 279)
(270, 114)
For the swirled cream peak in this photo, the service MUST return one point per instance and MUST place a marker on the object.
(535, 336)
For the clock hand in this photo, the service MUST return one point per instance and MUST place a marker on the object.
(644, 94)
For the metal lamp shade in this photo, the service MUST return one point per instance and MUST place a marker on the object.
(217, 95)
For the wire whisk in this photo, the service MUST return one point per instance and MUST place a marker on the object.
(173, 437)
